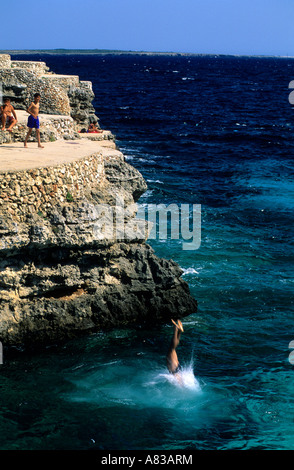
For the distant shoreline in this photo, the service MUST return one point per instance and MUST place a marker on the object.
(91, 52)
(118, 52)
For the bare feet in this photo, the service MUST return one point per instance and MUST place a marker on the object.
(39, 146)
(179, 325)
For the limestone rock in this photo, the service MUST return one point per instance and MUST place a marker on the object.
(83, 292)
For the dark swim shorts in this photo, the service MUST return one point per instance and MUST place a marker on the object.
(33, 123)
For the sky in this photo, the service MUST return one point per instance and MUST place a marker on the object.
(242, 27)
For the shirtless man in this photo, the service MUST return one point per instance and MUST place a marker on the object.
(33, 120)
(173, 364)
(8, 115)
(93, 129)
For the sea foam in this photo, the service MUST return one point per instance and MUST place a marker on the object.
(183, 379)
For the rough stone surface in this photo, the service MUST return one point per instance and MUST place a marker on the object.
(62, 293)
(61, 94)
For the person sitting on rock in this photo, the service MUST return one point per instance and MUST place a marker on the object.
(93, 129)
(8, 115)
(173, 364)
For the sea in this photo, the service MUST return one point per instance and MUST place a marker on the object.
(217, 132)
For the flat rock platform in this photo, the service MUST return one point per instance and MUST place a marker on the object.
(15, 157)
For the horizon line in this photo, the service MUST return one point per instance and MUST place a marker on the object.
(131, 52)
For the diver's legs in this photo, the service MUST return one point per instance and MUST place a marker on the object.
(172, 357)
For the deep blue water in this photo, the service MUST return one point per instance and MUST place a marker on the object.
(215, 131)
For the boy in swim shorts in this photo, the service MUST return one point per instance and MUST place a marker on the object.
(33, 120)
(8, 115)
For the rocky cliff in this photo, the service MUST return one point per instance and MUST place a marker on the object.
(65, 268)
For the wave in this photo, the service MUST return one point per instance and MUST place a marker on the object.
(155, 181)
(189, 271)
(139, 159)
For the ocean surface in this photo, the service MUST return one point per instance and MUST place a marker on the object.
(214, 131)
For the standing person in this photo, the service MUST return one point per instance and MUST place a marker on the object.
(173, 364)
(8, 114)
(33, 119)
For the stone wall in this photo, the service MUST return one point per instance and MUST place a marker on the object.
(38, 68)
(20, 85)
(5, 60)
(39, 190)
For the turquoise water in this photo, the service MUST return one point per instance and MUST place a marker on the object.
(112, 391)
(222, 139)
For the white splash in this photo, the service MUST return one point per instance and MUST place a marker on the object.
(189, 271)
(185, 378)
